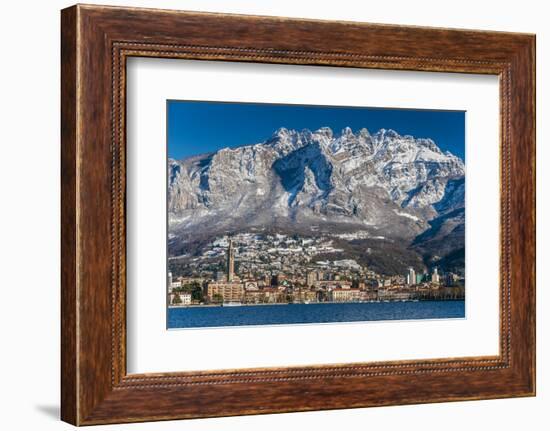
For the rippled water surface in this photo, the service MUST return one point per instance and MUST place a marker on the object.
(198, 317)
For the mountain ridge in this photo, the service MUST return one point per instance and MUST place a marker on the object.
(386, 183)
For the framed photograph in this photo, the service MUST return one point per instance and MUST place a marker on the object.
(264, 214)
(344, 225)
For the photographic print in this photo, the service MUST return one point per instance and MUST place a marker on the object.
(301, 214)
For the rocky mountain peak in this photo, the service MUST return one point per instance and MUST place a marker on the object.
(325, 131)
(385, 184)
(383, 181)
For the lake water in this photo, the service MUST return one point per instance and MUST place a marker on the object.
(200, 317)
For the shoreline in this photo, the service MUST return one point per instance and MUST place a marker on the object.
(313, 303)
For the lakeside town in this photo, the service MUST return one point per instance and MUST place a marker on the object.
(296, 278)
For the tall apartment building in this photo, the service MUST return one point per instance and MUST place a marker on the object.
(435, 276)
(411, 276)
(226, 291)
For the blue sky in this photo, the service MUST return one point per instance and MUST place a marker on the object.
(202, 127)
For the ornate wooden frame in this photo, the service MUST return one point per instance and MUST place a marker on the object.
(95, 43)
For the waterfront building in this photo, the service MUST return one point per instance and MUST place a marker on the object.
(224, 292)
(344, 295)
(179, 298)
(267, 295)
(254, 296)
(273, 295)
(368, 295)
(394, 295)
(305, 295)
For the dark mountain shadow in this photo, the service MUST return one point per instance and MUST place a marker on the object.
(453, 197)
(291, 169)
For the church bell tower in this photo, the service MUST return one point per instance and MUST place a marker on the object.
(230, 261)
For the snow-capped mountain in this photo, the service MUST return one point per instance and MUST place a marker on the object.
(388, 184)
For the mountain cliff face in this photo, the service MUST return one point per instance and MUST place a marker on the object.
(386, 184)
